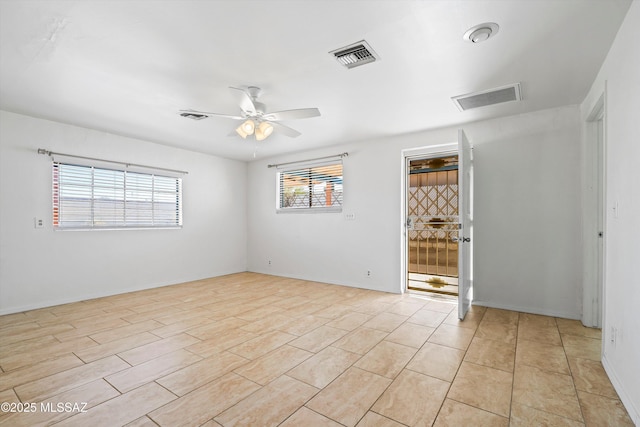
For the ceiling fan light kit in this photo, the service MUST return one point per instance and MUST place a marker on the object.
(256, 120)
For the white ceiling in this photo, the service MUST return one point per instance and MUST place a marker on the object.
(127, 67)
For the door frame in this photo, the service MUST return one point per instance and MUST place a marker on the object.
(409, 154)
(594, 211)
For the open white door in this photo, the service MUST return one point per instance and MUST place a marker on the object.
(465, 210)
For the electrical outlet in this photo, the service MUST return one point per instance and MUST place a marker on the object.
(368, 274)
(350, 217)
(38, 222)
(269, 263)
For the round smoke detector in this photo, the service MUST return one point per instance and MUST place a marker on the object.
(481, 32)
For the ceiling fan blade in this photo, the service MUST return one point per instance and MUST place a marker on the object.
(285, 130)
(204, 113)
(246, 103)
(301, 113)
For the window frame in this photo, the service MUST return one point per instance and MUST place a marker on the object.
(334, 208)
(160, 185)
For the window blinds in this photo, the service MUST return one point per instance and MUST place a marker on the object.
(89, 197)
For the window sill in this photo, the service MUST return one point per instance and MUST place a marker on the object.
(337, 209)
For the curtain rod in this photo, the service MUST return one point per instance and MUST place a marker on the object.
(341, 155)
(51, 154)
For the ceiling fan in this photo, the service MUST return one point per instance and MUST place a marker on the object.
(255, 118)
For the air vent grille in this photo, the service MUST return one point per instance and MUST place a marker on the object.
(488, 97)
(354, 55)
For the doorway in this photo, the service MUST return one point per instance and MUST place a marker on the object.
(432, 224)
(445, 230)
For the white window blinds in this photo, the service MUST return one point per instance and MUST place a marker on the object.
(89, 197)
(311, 188)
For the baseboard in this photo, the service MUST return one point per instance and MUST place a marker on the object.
(374, 286)
(541, 311)
(629, 404)
(95, 295)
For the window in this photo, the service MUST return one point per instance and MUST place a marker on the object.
(88, 197)
(311, 188)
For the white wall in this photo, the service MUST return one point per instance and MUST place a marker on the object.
(527, 215)
(621, 72)
(40, 267)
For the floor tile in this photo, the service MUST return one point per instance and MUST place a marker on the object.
(193, 376)
(348, 398)
(143, 373)
(603, 411)
(406, 308)
(410, 334)
(333, 311)
(110, 348)
(413, 399)
(270, 405)
(319, 338)
(19, 360)
(442, 306)
(429, 318)
(582, 347)
(155, 349)
(471, 320)
(70, 379)
(360, 341)
(386, 359)
(30, 373)
(535, 331)
(491, 353)
(205, 402)
(483, 387)
(530, 319)
(324, 367)
(526, 416)
(247, 349)
(504, 332)
(373, 307)
(142, 422)
(262, 344)
(497, 315)
(270, 323)
(349, 321)
(306, 417)
(437, 361)
(386, 322)
(125, 331)
(590, 376)
(575, 327)
(86, 396)
(124, 408)
(546, 391)
(456, 414)
(303, 325)
(223, 341)
(371, 419)
(270, 366)
(452, 336)
(547, 357)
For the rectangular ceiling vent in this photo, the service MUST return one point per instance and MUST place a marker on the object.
(488, 97)
(356, 54)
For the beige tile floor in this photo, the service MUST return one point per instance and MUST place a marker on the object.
(256, 350)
